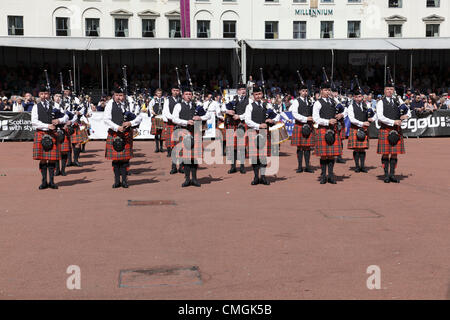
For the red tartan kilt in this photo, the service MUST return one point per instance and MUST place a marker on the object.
(253, 151)
(77, 136)
(38, 150)
(354, 143)
(155, 131)
(297, 138)
(343, 133)
(186, 152)
(169, 127)
(112, 154)
(383, 143)
(322, 149)
(237, 142)
(66, 146)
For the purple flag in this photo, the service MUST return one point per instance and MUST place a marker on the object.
(185, 13)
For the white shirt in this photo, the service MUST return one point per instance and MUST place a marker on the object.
(214, 107)
(316, 113)
(382, 118)
(248, 116)
(351, 115)
(294, 109)
(166, 111)
(182, 122)
(107, 116)
(39, 125)
(17, 107)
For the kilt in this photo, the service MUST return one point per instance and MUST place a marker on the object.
(186, 152)
(354, 143)
(297, 138)
(263, 151)
(38, 150)
(322, 149)
(66, 146)
(127, 153)
(383, 143)
(155, 131)
(77, 136)
(169, 127)
(232, 138)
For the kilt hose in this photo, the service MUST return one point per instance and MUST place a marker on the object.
(38, 151)
(189, 151)
(383, 143)
(168, 130)
(354, 143)
(297, 139)
(66, 146)
(343, 131)
(322, 149)
(77, 136)
(112, 154)
(257, 149)
(154, 131)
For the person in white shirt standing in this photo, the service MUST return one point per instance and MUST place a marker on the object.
(155, 109)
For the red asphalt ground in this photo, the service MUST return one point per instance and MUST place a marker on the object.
(283, 241)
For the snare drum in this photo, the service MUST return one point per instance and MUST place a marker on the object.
(280, 128)
(159, 121)
(136, 133)
(221, 127)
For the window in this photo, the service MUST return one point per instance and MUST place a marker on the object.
(354, 1)
(326, 29)
(174, 29)
(92, 27)
(299, 1)
(148, 28)
(299, 29)
(15, 26)
(395, 31)
(271, 0)
(432, 30)
(203, 30)
(395, 3)
(229, 29)
(271, 30)
(433, 3)
(121, 27)
(354, 29)
(62, 27)
(326, 1)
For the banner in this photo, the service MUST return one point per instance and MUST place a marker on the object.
(361, 59)
(289, 126)
(435, 125)
(185, 12)
(16, 126)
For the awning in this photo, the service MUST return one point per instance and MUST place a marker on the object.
(74, 43)
(420, 43)
(323, 44)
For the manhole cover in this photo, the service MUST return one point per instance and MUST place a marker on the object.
(151, 203)
(350, 214)
(160, 276)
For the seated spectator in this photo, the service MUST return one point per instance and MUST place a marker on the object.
(28, 103)
(417, 105)
(430, 105)
(4, 105)
(18, 105)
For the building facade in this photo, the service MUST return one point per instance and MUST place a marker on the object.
(239, 19)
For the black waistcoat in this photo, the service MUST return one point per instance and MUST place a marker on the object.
(116, 114)
(241, 106)
(259, 113)
(158, 106)
(186, 112)
(303, 108)
(328, 110)
(172, 103)
(44, 115)
(391, 110)
(360, 115)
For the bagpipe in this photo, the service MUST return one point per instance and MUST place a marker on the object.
(361, 134)
(330, 134)
(306, 128)
(394, 135)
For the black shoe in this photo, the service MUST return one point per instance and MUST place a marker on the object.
(69, 164)
(116, 185)
(173, 171)
(77, 164)
(125, 184)
(242, 170)
(387, 180)
(51, 185)
(393, 179)
(186, 183)
(309, 170)
(57, 173)
(357, 169)
(43, 186)
(181, 170)
(195, 183)
(363, 169)
(157, 151)
(63, 173)
(264, 181)
(232, 170)
(331, 180)
(255, 181)
(299, 170)
(323, 179)
(340, 160)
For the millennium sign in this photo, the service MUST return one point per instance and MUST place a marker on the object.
(314, 12)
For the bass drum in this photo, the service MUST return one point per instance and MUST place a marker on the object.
(280, 130)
